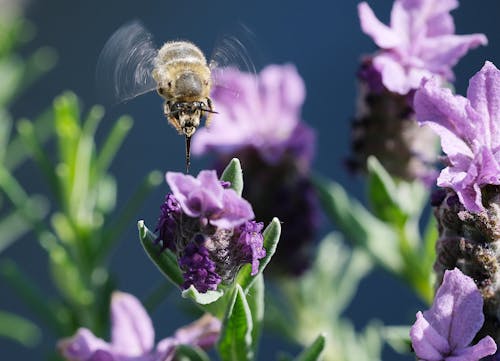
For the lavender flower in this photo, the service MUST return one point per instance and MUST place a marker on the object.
(206, 224)
(419, 43)
(259, 122)
(469, 131)
(445, 332)
(262, 114)
(132, 336)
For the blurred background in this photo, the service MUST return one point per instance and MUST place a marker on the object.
(322, 39)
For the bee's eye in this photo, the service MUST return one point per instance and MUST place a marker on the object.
(169, 84)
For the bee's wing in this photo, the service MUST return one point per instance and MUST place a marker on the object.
(233, 50)
(125, 64)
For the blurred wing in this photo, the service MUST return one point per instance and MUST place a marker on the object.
(233, 51)
(125, 64)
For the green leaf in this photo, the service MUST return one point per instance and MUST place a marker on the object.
(271, 238)
(19, 329)
(394, 201)
(313, 352)
(255, 299)
(234, 175)
(190, 353)
(15, 224)
(202, 298)
(398, 337)
(382, 192)
(30, 293)
(359, 225)
(164, 260)
(235, 342)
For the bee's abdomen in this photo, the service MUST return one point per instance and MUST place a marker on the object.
(179, 51)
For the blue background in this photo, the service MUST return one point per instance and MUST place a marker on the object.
(322, 38)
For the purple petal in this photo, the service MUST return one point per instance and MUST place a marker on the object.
(428, 344)
(484, 96)
(443, 52)
(132, 331)
(483, 348)
(101, 355)
(202, 333)
(81, 346)
(236, 211)
(381, 34)
(165, 350)
(446, 114)
(392, 73)
(199, 196)
(457, 311)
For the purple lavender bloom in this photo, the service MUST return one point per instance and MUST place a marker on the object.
(470, 133)
(419, 43)
(200, 270)
(208, 227)
(251, 244)
(445, 332)
(167, 222)
(204, 197)
(132, 336)
(263, 114)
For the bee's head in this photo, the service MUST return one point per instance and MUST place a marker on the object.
(188, 116)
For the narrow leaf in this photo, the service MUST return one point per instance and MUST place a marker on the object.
(234, 175)
(313, 352)
(255, 299)
(359, 225)
(19, 329)
(235, 341)
(164, 260)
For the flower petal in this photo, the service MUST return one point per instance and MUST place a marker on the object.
(393, 74)
(428, 344)
(204, 332)
(381, 34)
(236, 211)
(483, 348)
(484, 96)
(443, 52)
(446, 114)
(457, 311)
(81, 346)
(132, 331)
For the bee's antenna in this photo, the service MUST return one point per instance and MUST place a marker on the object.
(188, 153)
(209, 111)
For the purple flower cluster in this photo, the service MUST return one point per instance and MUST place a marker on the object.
(445, 332)
(259, 122)
(132, 336)
(203, 221)
(470, 133)
(419, 43)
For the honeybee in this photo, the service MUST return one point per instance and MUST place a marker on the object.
(130, 65)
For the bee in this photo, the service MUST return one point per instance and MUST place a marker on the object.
(130, 65)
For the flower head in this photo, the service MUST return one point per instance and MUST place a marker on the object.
(204, 197)
(445, 332)
(209, 228)
(132, 336)
(419, 43)
(470, 133)
(263, 114)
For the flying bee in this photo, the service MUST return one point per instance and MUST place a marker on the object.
(130, 65)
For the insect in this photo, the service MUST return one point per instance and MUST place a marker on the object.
(130, 65)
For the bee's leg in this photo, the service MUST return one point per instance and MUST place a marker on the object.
(171, 119)
(208, 118)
